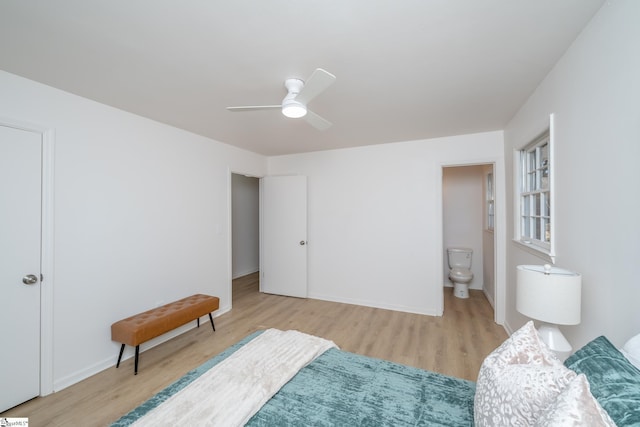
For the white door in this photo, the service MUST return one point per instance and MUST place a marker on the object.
(20, 223)
(283, 242)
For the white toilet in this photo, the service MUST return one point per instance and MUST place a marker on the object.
(460, 270)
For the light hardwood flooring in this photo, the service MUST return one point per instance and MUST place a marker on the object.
(454, 344)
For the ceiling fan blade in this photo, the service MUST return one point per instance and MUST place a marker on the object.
(254, 108)
(316, 121)
(317, 83)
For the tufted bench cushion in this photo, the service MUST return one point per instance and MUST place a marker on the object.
(144, 326)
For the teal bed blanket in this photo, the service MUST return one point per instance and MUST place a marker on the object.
(345, 389)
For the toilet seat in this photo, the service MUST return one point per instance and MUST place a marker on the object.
(460, 274)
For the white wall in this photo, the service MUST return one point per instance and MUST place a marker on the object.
(593, 91)
(141, 218)
(463, 209)
(375, 218)
(245, 225)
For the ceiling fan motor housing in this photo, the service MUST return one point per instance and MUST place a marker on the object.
(294, 86)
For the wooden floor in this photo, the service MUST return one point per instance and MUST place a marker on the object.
(454, 344)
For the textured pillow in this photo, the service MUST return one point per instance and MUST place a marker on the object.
(631, 350)
(635, 360)
(575, 406)
(614, 381)
(518, 380)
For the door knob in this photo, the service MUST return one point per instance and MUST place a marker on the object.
(29, 279)
(302, 243)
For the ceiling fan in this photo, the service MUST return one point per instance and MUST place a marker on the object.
(294, 105)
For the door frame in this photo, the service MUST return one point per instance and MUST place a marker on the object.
(499, 265)
(46, 247)
(230, 173)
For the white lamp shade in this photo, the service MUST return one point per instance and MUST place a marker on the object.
(549, 294)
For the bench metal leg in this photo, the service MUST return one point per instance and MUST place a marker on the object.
(136, 363)
(137, 356)
(210, 318)
(120, 356)
(212, 325)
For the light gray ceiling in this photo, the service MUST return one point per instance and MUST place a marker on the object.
(406, 70)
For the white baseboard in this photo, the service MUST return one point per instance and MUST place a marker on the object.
(508, 328)
(76, 377)
(471, 288)
(393, 307)
(129, 352)
(489, 298)
(245, 273)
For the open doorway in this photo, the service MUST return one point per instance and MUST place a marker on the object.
(469, 223)
(245, 230)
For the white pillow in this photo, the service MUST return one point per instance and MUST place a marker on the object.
(518, 380)
(575, 406)
(631, 350)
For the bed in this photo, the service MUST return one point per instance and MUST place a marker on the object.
(595, 386)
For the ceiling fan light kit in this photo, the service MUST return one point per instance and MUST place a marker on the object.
(299, 93)
(293, 109)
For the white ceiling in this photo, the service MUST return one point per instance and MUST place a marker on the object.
(406, 70)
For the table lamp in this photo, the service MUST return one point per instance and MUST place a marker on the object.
(551, 295)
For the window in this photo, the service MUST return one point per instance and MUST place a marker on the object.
(535, 225)
(490, 202)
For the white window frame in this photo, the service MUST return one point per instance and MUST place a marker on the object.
(541, 247)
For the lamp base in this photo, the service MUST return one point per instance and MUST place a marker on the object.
(554, 339)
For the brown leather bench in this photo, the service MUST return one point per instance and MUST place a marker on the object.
(142, 327)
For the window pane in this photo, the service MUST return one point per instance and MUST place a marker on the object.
(544, 182)
(536, 203)
(544, 166)
(544, 155)
(525, 206)
(532, 160)
(538, 230)
(525, 227)
(489, 201)
(535, 181)
(531, 170)
(547, 231)
(547, 205)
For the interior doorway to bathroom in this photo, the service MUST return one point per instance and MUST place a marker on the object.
(469, 222)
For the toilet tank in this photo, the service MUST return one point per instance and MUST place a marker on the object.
(459, 257)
